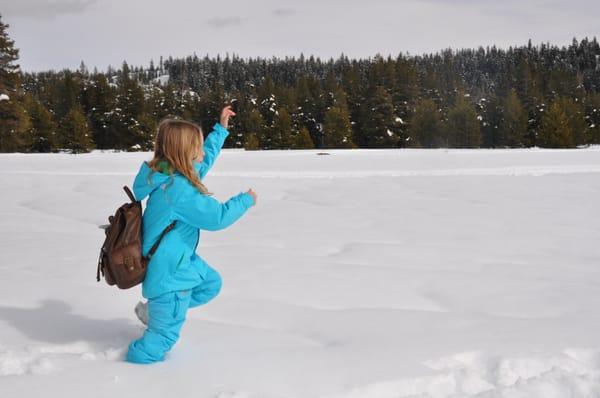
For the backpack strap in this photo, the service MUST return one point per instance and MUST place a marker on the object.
(100, 268)
(155, 246)
(170, 227)
(128, 192)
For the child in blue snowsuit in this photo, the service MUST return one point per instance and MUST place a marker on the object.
(177, 278)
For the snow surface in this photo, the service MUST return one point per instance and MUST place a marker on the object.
(4, 97)
(162, 79)
(366, 273)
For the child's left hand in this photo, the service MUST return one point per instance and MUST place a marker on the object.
(225, 114)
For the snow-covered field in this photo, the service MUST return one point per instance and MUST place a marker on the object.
(363, 274)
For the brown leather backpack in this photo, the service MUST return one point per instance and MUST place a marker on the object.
(121, 261)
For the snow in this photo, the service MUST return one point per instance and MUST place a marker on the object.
(4, 97)
(162, 79)
(368, 273)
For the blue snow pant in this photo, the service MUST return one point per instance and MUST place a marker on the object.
(166, 315)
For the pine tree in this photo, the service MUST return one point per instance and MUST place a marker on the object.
(513, 127)
(99, 103)
(404, 96)
(42, 134)
(593, 118)
(14, 122)
(254, 124)
(282, 129)
(69, 90)
(462, 128)
(377, 121)
(407, 86)
(425, 127)
(83, 70)
(337, 129)
(268, 107)
(351, 86)
(302, 140)
(525, 81)
(162, 102)
(575, 115)
(555, 131)
(9, 70)
(251, 143)
(308, 106)
(124, 122)
(212, 107)
(286, 97)
(14, 126)
(76, 134)
(147, 126)
(266, 135)
(492, 121)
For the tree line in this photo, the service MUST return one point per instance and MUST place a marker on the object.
(543, 95)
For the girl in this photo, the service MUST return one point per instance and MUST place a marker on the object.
(177, 278)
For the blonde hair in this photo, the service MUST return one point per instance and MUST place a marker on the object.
(177, 142)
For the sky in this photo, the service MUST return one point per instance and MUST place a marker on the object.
(62, 33)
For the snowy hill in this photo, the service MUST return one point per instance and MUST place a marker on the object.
(365, 273)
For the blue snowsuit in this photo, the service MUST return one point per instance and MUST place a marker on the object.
(177, 278)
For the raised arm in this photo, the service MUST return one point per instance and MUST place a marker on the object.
(212, 147)
(207, 213)
(214, 142)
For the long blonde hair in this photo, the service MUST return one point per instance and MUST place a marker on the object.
(177, 142)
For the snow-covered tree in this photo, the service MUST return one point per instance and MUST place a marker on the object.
(14, 122)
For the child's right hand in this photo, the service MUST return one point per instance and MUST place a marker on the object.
(253, 194)
(226, 112)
